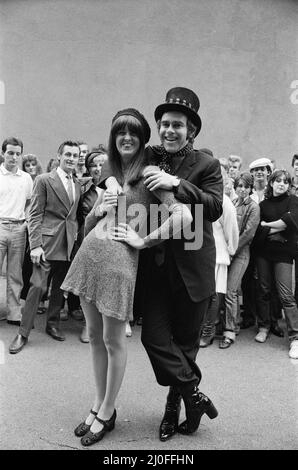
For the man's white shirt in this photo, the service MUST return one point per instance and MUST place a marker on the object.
(15, 191)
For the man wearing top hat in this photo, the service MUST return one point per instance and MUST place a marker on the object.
(179, 282)
(176, 283)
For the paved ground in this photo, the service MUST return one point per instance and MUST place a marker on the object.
(47, 389)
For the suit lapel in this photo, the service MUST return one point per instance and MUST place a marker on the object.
(77, 190)
(185, 168)
(58, 188)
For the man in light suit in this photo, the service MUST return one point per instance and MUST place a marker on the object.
(53, 228)
(179, 281)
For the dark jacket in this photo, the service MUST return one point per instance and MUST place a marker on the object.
(201, 184)
(281, 246)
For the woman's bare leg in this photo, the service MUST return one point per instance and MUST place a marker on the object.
(94, 321)
(116, 346)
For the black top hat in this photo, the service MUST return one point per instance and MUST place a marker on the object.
(184, 101)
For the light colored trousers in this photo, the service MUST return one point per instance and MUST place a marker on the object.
(12, 245)
(236, 272)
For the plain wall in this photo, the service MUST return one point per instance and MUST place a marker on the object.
(68, 66)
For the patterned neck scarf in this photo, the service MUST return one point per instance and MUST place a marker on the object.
(165, 161)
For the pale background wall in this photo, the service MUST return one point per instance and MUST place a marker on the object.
(69, 65)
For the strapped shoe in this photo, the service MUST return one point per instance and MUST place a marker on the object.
(83, 428)
(93, 437)
(196, 404)
(169, 424)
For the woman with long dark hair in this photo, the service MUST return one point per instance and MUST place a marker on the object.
(104, 270)
(276, 245)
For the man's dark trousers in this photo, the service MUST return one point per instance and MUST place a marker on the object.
(172, 324)
(38, 285)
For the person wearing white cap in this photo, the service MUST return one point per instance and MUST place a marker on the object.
(260, 169)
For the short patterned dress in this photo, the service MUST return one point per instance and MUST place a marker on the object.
(104, 270)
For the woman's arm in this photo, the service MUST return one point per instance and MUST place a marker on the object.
(210, 192)
(179, 217)
(275, 230)
(288, 221)
(276, 224)
(103, 204)
(91, 219)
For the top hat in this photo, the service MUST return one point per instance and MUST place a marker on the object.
(184, 101)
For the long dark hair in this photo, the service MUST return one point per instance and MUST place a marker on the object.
(138, 162)
(268, 194)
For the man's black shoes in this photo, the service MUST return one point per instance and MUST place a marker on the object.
(17, 344)
(169, 424)
(55, 333)
(196, 404)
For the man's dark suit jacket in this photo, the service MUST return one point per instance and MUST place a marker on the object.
(201, 183)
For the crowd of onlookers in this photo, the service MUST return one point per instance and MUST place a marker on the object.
(256, 242)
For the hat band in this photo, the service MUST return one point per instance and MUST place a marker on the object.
(180, 101)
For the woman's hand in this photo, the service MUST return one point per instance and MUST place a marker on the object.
(110, 200)
(263, 224)
(113, 186)
(124, 233)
